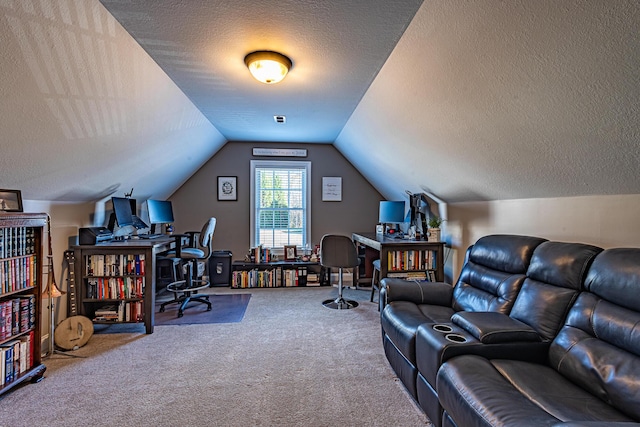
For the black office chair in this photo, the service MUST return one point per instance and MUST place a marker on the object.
(185, 288)
(338, 252)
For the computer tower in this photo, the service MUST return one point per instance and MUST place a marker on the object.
(220, 268)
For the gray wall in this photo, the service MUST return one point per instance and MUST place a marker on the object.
(196, 200)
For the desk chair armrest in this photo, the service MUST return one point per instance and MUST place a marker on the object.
(194, 236)
(178, 242)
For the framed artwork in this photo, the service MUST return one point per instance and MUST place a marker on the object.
(227, 188)
(10, 201)
(331, 189)
(290, 253)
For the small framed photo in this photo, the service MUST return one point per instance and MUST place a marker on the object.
(227, 188)
(10, 201)
(290, 253)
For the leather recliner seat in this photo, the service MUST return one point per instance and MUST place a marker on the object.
(553, 281)
(590, 375)
(493, 273)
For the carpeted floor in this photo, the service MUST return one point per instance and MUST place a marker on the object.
(289, 362)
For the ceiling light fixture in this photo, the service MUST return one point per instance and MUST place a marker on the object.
(267, 66)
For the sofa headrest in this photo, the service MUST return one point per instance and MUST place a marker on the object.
(615, 277)
(505, 252)
(562, 264)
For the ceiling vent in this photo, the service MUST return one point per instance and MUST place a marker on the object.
(280, 119)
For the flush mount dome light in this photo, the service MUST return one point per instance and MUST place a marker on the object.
(267, 66)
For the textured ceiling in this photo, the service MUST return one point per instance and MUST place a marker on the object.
(337, 48)
(85, 112)
(492, 100)
(471, 100)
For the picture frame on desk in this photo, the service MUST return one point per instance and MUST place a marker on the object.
(290, 253)
(227, 188)
(10, 201)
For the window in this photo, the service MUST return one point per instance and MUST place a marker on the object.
(280, 203)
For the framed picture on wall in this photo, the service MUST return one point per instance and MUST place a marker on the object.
(10, 201)
(227, 188)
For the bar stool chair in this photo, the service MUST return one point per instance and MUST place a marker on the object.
(375, 279)
(340, 252)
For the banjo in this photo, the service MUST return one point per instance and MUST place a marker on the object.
(76, 330)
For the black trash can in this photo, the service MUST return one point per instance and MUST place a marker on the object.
(220, 268)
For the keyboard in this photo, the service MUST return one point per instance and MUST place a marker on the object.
(150, 236)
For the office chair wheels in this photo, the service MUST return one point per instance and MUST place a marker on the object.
(189, 290)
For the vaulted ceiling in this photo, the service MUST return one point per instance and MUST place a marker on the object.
(479, 100)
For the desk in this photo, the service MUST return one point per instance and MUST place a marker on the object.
(415, 256)
(121, 274)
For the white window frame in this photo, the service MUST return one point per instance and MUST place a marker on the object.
(284, 164)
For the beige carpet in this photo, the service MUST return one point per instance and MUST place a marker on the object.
(290, 362)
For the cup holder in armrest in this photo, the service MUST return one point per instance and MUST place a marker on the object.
(442, 328)
(455, 338)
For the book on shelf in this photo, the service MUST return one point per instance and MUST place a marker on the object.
(107, 313)
(115, 265)
(17, 315)
(16, 357)
(17, 273)
(313, 278)
(411, 260)
(17, 241)
(409, 275)
(115, 287)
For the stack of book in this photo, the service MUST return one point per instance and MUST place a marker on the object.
(107, 313)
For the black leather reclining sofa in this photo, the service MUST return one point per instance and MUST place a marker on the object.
(501, 347)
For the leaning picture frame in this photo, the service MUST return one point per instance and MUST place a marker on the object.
(10, 201)
(227, 188)
(290, 253)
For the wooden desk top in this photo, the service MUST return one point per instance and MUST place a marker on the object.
(159, 244)
(376, 241)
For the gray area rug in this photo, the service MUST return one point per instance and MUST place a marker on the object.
(225, 308)
(290, 362)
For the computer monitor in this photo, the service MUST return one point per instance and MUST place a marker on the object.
(391, 214)
(160, 212)
(122, 211)
(137, 222)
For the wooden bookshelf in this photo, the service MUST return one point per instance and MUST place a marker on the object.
(401, 258)
(277, 274)
(116, 280)
(21, 266)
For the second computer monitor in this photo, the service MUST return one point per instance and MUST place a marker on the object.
(160, 212)
(122, 211)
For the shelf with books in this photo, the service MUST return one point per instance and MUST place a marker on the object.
(277, 274)
(401, 258)
(21, 236)
(118, 278)
(113, 286)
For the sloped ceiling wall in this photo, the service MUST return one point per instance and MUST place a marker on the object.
(86, 112)
(481, 100)
(489, 100)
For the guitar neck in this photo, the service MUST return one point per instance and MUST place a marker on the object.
(71, 281)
